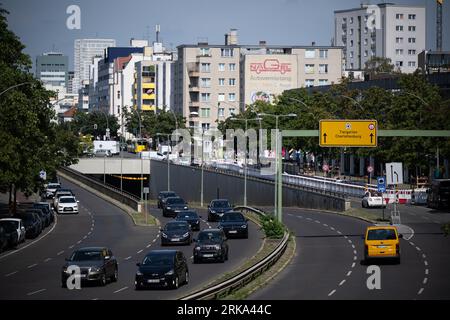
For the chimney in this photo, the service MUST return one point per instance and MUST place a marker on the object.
(313, 43)
(231, 38)
(262, 43)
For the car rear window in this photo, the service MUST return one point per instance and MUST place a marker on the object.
(220, 204)
(158, 260)
(176, 226)
(232, 216)
(381, 234)
(67, 200)
(175, 201)
(86, 255)
(209, 236)
(187, 215)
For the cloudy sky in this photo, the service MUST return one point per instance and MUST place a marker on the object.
(41, 24)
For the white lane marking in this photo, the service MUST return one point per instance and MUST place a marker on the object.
(139, 251)
(325, 225)
(418, 249)
(149, 245)
(309, 219)
(345, 237)
(425, 281)
(339, 232)
(84, 237)
(427, 271)
(71, 247)
(154, 240)
(350, 241)
(157, 236)
(424, 256)
(420, 291)
(317, 221)
(31, 243)
(32, 266)
(427, 218)
(342, 282)
(332, 228)
(301, 217)
(128, 258)
(331, 293)
(34, 292)
(79, 241)
(425, 262)
(437, 222)
(60, 253)
(192, 257)
(354, 252)
(289, 214)
(349, 273)
(412, 243)
(10, 274)
(353, 246)
(89, 233)
(95, 299)
(353, 265)
(355, 258)
(411, 235)
(47, 260)
(124, 288)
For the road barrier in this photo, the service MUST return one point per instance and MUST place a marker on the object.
(226, 287)
(124, 197)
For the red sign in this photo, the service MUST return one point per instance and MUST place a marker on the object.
(370, 169)
(325, 167)
(270, 65)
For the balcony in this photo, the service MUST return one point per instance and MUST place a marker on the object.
(373, 34)
(194, 104)
(344, 26)
(194, 73)
(194, 88)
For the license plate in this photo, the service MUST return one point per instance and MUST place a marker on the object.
(176, 239)
(208, 255)
(382, 247)
(153, 281)
(232, 231)
(68, 209)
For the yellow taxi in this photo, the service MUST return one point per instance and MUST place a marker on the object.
(382, 242)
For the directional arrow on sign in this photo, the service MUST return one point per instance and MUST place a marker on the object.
(371, 138)
(325, 138)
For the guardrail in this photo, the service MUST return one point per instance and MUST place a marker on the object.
(125, 197)
(243, 278)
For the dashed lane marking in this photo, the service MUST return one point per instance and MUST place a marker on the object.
(60, 253)
(32, 266)
(11, 274)
(342, 282)
(122, 289)
(331, 293)
(128, 258)
(139, 251)
(420, 291)
(47, 260)
(34, 292)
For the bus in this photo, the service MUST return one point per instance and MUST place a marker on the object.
(139, 145)
(439, 194)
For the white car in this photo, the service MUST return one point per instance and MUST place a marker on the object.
(373, 199)
(67, 204)
(51, 189)
(18, 224)
(59, 194)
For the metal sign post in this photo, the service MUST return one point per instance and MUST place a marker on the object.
(146, 192)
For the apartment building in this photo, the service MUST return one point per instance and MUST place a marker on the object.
(214, 82)
(386, 30)
(52, 70)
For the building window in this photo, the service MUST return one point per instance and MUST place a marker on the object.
(310, 54)
(221, 66)
(366, 42)
(221, 112)
(412, 52)
(412, 28)
(205, 126)
(366, 53)
(226, 52)
(366, 30)
(204, 52)
(309, 68)
(323, 54)
(351, 54)
(411, 63)
(399, 28)
(323, 82)
(232, 81)
(147, 102)
(205, 97)
(399, 16)
(351, 32)
(323, 68)
(232, 111)
(399, 40)
(204, 112)
(221, 81)
(411, 16)
(411, 40)
(309, 83)
(221, 97)
(351, 19)
(232, 66)
(205, 82)
(399, 63)
(351, 43)
(205, 67)
(399, 52)
(232, 97)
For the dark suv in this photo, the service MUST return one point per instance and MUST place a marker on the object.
(217, 208)
(234, 224)
(172, 206)
(211, 244)
(176, 232)
(163, 195)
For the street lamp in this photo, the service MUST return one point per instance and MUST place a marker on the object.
(278, 176)
(168, 162)
(15, 86)
(202, 170)
(352, 99)
(246, 154)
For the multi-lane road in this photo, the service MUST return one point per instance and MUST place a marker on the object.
(34, 271)
(327, 263)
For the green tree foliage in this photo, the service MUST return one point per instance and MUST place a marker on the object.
(379, 65)
(95, 124)
(162, 122)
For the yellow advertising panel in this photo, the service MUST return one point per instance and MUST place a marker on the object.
(348, 133)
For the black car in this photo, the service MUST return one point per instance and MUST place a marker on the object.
(217, 208)
(45, 218)
(162, 268)
(211, 244)
(163, 195)
(47, 209)
(234, 224)
(3, 239)
(191, 217)
(32, 224)
(10, 234)
(97, 264)
(172, 206)
(176, 232)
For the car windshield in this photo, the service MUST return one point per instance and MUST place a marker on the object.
(233, 216)
(168, 194)
(13, 224)
(176, 226)
(53, 186)
(67, 200)
(382, 234)
(8, 227)
(86, 255)
(215, 236)
(158, 260)
(187, 215)
(175, 201)
(220, 204)
(64, 194)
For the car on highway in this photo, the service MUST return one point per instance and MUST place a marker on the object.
(18, 225)
(61, 193)
(176, 232)
(234, 224)
(373, 199)
(32, 224)
(47, 208)
(217, 208)
(172, 206)
(162, 268)
(103, 153)
(10, 234)
(382, 242)
(3, 239)
(211, 244)
(163, 195)
(51, 189)
(43, 216)
(67, 204)
(97, 265)
(191, 217)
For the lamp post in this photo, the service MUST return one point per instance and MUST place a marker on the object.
(15, 86)
(278, 186)
(168, 162)
(202, 169)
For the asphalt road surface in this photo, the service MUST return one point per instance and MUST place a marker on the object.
(34, 271)
(327, 263)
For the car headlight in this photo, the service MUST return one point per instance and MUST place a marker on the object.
(60, 207)
(164, 235)
(220, 226)
(169, 208)
(197, 248)
(170, 273)
(217, 246)
(213, 211)
(244, 226)
(185, 208)
(94, 269)
(138, 273)
(186, 235)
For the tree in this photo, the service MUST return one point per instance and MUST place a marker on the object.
(95, 124)
(378, 65)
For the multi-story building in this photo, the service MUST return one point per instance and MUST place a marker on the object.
(84, 51)
(83, 97)
(70, 78)
(52, 70)
(386, 30)
(214, 82)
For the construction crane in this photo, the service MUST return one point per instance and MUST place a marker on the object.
(439, 25)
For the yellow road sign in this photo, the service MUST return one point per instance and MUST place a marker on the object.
(348, 133)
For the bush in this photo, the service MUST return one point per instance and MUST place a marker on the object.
(272, 228)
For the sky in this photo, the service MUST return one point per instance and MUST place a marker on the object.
(41, 24)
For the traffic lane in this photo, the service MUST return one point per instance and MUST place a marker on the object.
(322, 259)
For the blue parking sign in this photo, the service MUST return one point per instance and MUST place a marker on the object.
(381, 184)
